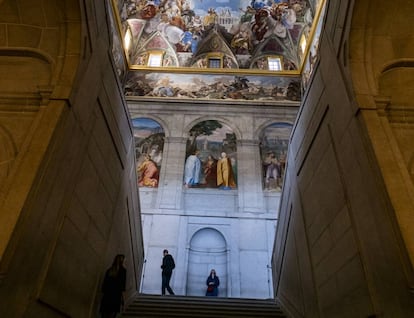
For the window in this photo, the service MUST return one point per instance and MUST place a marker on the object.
(127, 39)
(275, 64)
(214, 62)
(155, 59)
(303, 44)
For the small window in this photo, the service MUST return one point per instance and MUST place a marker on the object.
(127, 39)
(275, 64)
(303, 43)
(155, 59)
(214, 63)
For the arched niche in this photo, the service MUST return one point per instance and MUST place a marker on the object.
(208, 250)
(398, 108)
(26, 69)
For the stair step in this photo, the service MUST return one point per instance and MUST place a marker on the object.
(199, 307)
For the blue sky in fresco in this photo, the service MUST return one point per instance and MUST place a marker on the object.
(201, 6)
(145, 123)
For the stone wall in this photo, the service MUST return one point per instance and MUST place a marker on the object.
(179, 218)
(342, 240)
(68, 204)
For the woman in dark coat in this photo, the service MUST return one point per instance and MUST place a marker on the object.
(113, 288)
(212, 283)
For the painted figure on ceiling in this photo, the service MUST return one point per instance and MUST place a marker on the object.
(183, 23)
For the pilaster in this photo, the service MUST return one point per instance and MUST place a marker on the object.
(249, 176)
(170, 192)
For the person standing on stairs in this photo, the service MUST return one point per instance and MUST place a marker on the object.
(167, 267)
(113, 288)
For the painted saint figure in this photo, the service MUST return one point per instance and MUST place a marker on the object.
(273, 173)
(210, 172)
(148, 173)
(192, 170)
(225, 176)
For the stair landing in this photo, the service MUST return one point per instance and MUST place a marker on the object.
(146, 306)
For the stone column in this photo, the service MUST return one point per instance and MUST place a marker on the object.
(170, 191)
(249, 176)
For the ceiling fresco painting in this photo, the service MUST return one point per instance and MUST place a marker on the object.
(217, 49)
(207, 86)
(118, 53)
(313, 53)
(264, 35)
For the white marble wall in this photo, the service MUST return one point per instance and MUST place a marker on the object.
(245, 217)
(247, 237)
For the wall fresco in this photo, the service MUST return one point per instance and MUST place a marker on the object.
(149, 143)
(273, 150)
(211, 157)
(211, 154)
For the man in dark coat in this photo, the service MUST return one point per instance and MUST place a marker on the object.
(167, 267)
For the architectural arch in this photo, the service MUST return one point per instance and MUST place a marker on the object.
(221, 119)
(46, 43)
(259, 130)
(54, 105)
(207, 250)
(386, 107)
(43, 56)
(370, 35)
(158, 119)
(28, 52)
(31, 72)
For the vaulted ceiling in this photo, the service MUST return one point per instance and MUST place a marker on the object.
(271, 45)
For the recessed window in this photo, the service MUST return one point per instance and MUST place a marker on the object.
(214, 62)
(127, 39)
(155, 59)
(275, 64)
(303, 44)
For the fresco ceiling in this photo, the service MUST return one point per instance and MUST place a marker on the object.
(234, 42)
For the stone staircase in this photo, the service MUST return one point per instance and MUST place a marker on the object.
(146, 306)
